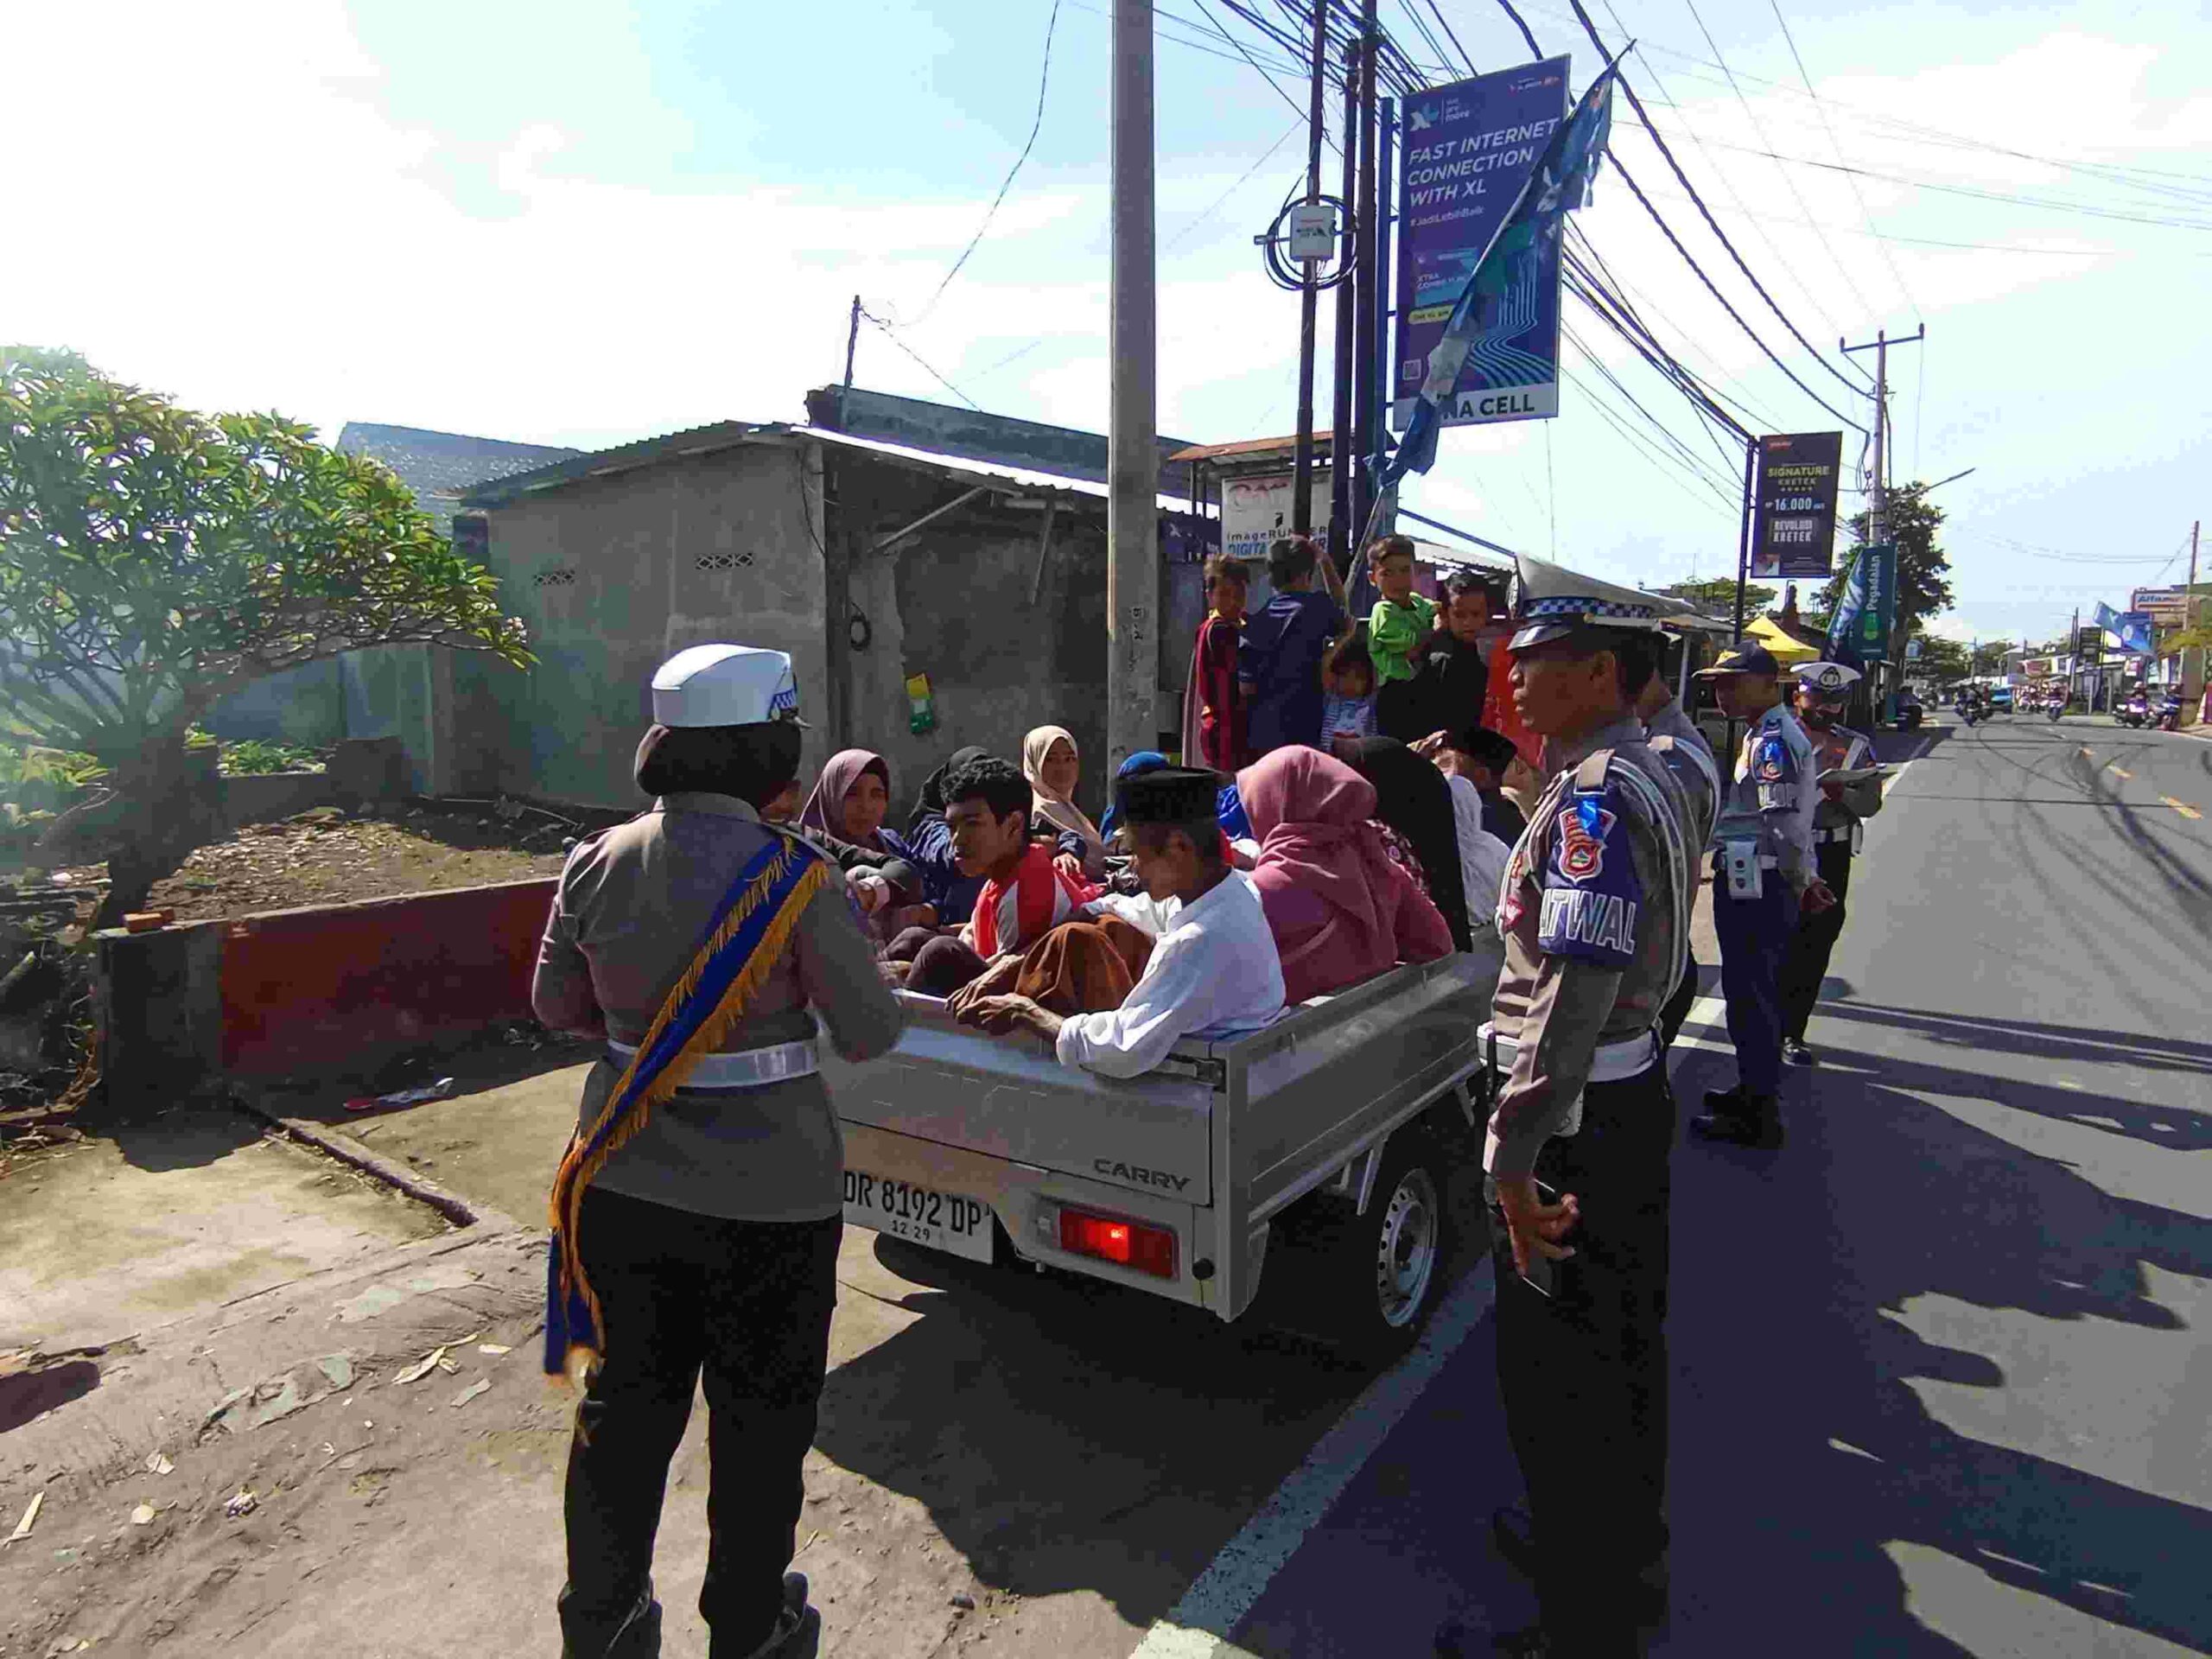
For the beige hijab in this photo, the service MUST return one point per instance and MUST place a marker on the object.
(1047, 806)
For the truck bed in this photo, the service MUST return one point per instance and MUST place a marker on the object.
(1220, 1138)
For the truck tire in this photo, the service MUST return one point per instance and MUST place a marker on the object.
(1366, 1284)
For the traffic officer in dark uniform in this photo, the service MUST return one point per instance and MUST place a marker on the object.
(1823, 691)
(1593, 912)
(697, 1212)
(1763, 877)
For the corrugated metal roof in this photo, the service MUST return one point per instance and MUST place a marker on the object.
(1022, 476)
(1251, 448)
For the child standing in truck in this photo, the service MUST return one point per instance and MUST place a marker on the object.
(1401, 618)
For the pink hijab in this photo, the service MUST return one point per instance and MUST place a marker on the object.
(1327, 887)
(825, 807)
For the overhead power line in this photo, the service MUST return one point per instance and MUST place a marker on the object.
(1727, 183)
(1836, 148)
(1036, 125)
(890, 335)
(1668, 231)
(1751, 116)
(1683, 178)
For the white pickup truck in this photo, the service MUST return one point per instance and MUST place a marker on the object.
(1316, 1155)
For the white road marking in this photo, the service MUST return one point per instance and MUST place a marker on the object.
(1198, 1626)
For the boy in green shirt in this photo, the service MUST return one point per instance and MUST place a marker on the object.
(1401, 620)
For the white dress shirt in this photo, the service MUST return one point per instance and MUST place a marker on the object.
(1482, 856)
(1214, 972)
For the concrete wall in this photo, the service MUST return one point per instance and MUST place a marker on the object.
(954, 602)
(329, 987)
(615, 575)
(304, 705)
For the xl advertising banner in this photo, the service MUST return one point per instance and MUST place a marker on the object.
(1469, 147)
(1793, 529)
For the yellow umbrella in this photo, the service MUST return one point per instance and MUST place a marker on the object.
(1784, 649)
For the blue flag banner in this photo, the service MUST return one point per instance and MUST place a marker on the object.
(2133, 629)
(1559, 182)
(1858, 632)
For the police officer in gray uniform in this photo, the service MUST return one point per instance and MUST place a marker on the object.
(1763, 877)
(1847, 801)
(1593, 912)
(1675, 740)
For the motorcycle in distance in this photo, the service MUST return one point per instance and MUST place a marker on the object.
(2168, 710)
(2135, 712)
(2053, 708)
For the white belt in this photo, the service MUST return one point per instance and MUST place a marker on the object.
(1614, 1062)
(1829, 837)
(746, 1068)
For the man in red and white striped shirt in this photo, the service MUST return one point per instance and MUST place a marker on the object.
(1025, 896)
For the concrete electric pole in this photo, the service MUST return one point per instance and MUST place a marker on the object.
(1878, 486)
(1132, 445)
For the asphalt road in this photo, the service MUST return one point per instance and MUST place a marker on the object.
(1942, 1384)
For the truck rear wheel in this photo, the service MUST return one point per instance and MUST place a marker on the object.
(1366, 1283)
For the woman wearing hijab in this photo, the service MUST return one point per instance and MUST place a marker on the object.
(844, 816)
(1053, 765)
(1340, 910)
(697, 1212)
(1413, 799)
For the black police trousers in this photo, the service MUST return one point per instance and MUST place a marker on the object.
(1807, 963)
(1584, 1372)
(748, 1302)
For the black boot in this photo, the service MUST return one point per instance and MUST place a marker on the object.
(636, 1635)
(1739, 1119)
(1513, 1534)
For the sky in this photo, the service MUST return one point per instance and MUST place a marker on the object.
(578, 223)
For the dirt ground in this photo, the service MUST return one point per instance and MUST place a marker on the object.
(329, 855)
(1006, 1461)
(325, 856)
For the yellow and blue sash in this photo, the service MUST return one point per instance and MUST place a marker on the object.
(750, 930)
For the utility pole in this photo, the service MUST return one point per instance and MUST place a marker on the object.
(852, 344)
(1132, 442)
(1341, 450)
(1878, 488)
(1356, 452)
(1309, 296)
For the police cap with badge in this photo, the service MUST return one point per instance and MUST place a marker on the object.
(1826, 681)
(1557, 603)
(726, 685)
(723, 716)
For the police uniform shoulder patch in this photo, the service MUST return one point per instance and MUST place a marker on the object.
(1593, 897)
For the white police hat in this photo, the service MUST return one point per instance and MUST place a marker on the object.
(1555, 601)
(1827, 679)
(725, 685)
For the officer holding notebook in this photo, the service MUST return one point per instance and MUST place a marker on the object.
(1764, 877)
(1594, 916)
(1851, 792)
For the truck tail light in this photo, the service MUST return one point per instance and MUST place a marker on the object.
(1126, 1243)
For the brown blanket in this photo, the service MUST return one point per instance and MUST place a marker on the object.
(1085, 967)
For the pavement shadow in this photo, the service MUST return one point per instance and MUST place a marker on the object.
(187, 1137)
(1821, 1460)
(2182, 1125)
(1102, 1439)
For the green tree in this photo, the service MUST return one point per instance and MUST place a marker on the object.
(1941, 660)
(153, 560)
(1923, 587)
(1716, 596)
